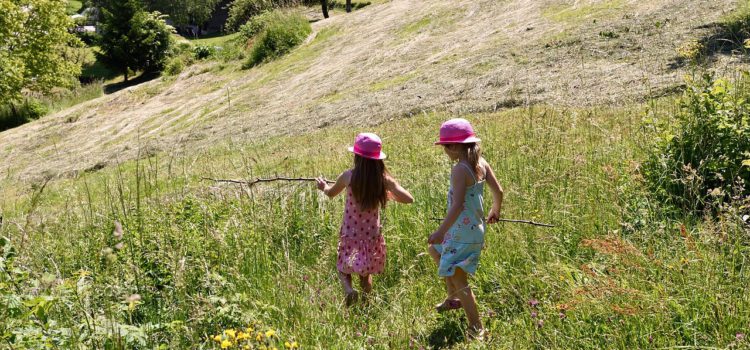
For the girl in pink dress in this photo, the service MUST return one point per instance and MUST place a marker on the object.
(368, 187)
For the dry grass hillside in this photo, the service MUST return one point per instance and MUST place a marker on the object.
(387, 60)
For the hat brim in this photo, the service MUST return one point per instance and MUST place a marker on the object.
(379, 157)
(471, 139)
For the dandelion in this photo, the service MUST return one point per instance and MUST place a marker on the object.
(231, 333)
(270, 333)
(217, 338)
(226, 344)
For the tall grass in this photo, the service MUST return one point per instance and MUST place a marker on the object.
(204, 257)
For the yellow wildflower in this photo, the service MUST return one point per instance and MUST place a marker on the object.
(242, 336)
(246, 347)
(226, 344)
(230, 333)
(249, 330)
(270, 333)
(217, 338)
(259, 337)
(292, 345)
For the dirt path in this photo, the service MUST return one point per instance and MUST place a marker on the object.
(385, 61)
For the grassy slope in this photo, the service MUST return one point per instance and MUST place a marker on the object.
(228, 259)
(216, 256)
(387, 60)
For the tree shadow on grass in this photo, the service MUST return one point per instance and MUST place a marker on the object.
(723, 38)
(448, 333)
(114, 87)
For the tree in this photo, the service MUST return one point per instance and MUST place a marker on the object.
(133, 39)
(34, 38)
(324, 5)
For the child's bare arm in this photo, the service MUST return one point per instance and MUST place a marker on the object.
(333, 190)
(497, 193)
(398, 193)
(458, 184)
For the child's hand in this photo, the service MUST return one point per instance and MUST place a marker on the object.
(493, 217)
(436, 237)
(321, 183)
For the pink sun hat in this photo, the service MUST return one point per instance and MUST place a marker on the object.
(457, 130)
(368, 145)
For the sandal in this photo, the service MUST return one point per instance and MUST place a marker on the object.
(448, 304)
(351, 298)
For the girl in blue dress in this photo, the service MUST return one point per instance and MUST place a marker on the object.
(457, 244)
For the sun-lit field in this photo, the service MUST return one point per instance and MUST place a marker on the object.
(196, 257)
(609, 121)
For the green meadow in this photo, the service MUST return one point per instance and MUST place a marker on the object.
(197, 258)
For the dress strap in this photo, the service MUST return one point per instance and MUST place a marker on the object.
(470, 172)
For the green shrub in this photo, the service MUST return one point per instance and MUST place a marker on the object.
(241, 11)
(705, 157)
(283, 32)
(203, 51)
(14, 115)
(254, 26)
(174, 66)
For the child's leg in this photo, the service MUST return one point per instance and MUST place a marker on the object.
(346, 282)
(463, 292)
(365, 282)
(448, 286)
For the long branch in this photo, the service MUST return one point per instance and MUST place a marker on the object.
(257, 180)
(516, 221)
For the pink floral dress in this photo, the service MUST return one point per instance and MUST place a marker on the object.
(361, 246)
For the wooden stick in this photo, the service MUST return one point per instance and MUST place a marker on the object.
(257, 180)
(516, 221)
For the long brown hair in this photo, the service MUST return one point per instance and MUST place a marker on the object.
(473, 154)
(368, 182)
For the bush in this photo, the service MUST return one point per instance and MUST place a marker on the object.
(254, 26)
(705, 157)
(283, 32)
(174, 66)
(241, 11)
(203, 51)
(13, 115)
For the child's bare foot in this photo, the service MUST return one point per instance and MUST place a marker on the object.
(448, 304)
(476, 334)
(351, 298)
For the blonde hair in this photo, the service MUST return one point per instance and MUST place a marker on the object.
(473, 154)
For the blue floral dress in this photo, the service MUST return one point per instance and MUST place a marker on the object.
(463, 243)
